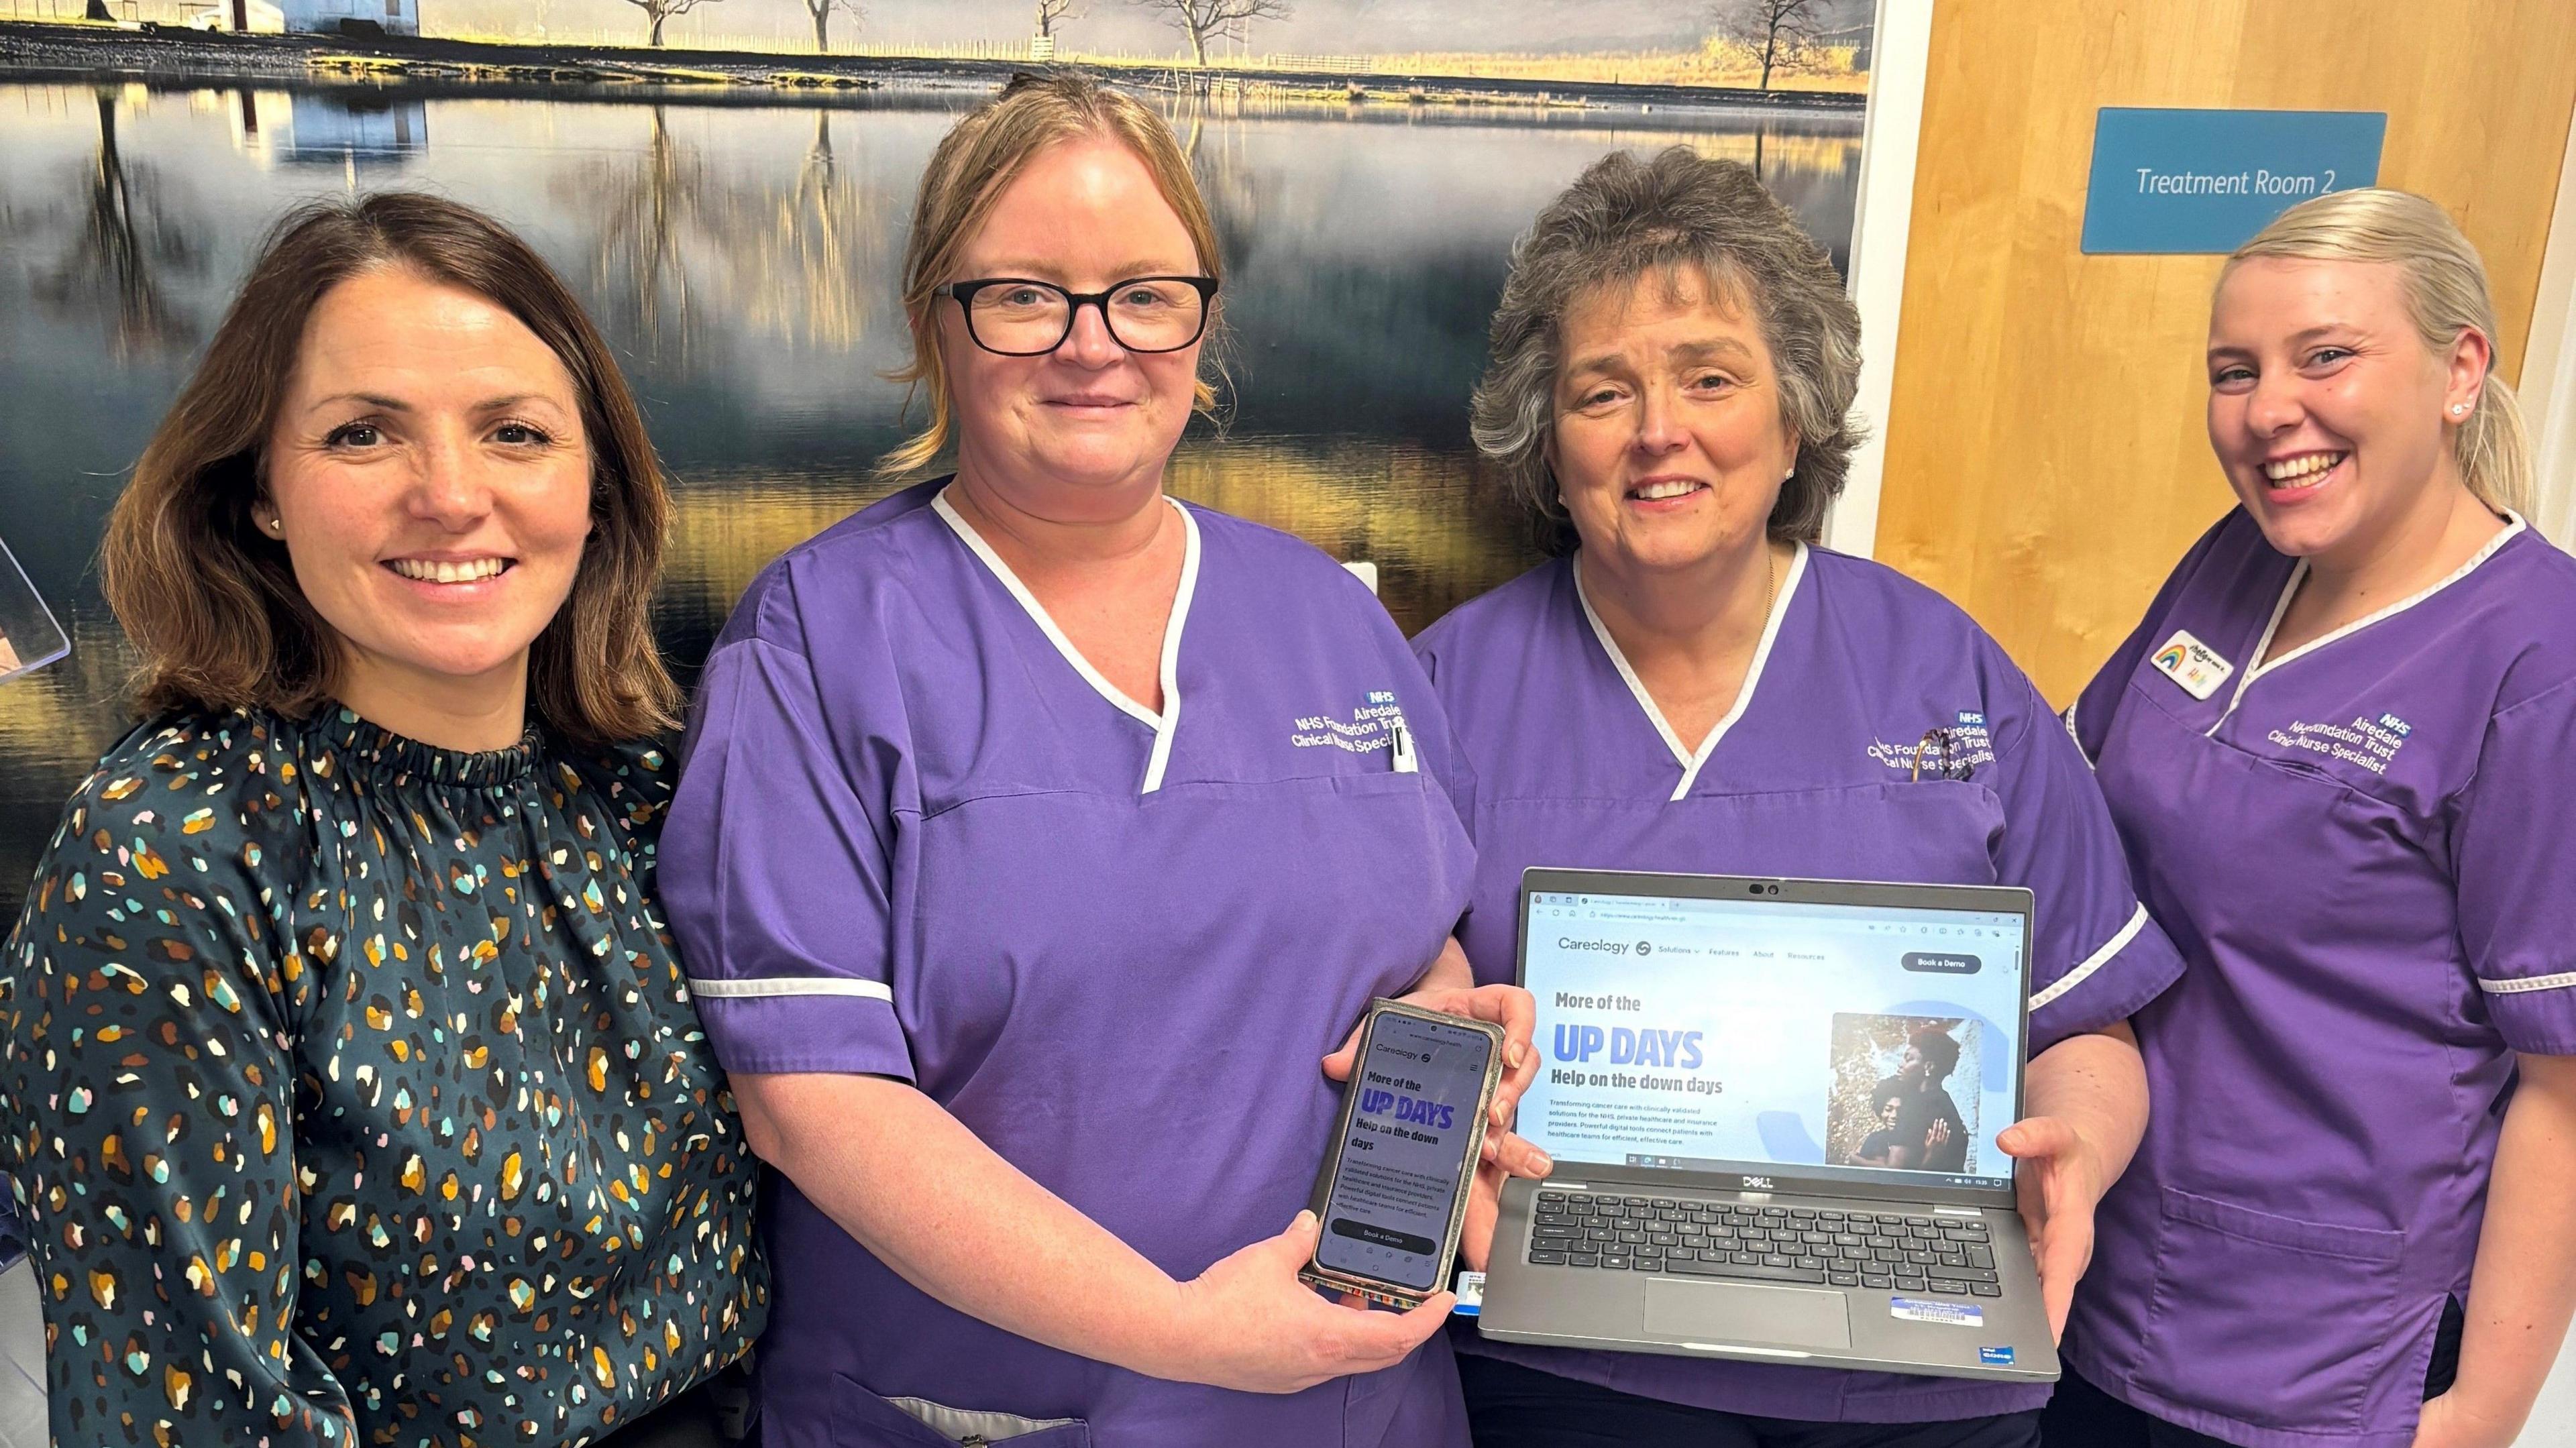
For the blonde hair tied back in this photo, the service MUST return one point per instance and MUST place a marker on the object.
(973, 164)
(2446, 294)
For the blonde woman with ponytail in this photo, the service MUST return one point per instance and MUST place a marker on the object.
(2339, 748)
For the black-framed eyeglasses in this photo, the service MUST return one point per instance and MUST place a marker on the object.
(1023, 317)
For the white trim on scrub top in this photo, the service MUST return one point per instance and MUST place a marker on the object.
(2512, 530)
(791, 985)
(2068, 719)
(2118, 942)
(1163, 724)
(1691, 760)
(2559, 981)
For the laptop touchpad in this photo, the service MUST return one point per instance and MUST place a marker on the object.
(1740, 1312)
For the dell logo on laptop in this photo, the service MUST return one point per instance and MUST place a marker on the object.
(1757, 1184)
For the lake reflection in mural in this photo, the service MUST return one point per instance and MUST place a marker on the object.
(743, 260)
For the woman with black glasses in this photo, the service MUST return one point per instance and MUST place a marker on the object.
(1023, 972)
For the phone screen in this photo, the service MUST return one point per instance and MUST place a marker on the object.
(1403, 1161)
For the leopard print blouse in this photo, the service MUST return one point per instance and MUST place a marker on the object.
(353, 1095)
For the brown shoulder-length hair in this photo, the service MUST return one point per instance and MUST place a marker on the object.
(212, 603)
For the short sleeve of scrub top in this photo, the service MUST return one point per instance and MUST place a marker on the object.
(783, 818)
(2517, 871)
(2058, 840)
(1813, 773)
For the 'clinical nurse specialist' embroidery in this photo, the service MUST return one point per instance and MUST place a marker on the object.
(2370, 743)
(1374, 725)
(1946, 751)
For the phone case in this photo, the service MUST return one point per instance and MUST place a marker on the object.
(1394, 1294)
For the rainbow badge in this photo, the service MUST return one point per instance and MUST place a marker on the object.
(2193, 664)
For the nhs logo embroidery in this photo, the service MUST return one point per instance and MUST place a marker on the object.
(2193, 664)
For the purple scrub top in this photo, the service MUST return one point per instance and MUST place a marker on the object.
(1811, 774)
(2362, 850)
(918, 837)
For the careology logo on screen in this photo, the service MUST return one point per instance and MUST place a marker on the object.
(1604, 947)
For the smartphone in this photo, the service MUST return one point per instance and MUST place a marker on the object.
(1393, 1192)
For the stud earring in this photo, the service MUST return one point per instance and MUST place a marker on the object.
(2458, 407)
(277, 526)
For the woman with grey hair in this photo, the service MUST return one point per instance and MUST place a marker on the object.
(1689, 684)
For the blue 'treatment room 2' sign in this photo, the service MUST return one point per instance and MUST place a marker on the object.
(2170, 181)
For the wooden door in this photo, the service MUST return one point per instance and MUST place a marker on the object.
(2047, 457)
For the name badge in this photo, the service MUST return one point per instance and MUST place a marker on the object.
(2193, 664)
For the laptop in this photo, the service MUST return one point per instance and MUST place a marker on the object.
(1772, 1104)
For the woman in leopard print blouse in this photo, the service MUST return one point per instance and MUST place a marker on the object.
(353, 1091)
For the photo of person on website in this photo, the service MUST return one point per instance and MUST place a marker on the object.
(1898, 1085)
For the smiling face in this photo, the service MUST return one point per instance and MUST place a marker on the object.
(1089, 416)
(429, 476)
(1668, 444)
(2330, 416)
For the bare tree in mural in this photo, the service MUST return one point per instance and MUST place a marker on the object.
(1781, 33)
(1228, 182)
(643, 214)
(1052, 11)
(125, 240)
(1203, 20)
(808, 274)
(660, 11)
(820, 12)
(681, 241)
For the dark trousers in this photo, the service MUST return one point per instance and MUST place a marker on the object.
(2083, 1416)
(715, 1413)
(1510, 1406)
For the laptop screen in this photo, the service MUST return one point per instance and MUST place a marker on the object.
(1854, 1042)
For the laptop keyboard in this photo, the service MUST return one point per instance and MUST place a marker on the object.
(1826, 1248)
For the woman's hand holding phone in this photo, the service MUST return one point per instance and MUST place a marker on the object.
(1250, 1324)
(1449, 987)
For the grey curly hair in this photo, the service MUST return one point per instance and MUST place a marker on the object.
(1624, 219)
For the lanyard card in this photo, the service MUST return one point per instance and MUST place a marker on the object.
(29, 637)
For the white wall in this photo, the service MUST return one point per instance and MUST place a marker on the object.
(2548, 396)
(2553, 1421)
(1883, 217)
(2548, 386)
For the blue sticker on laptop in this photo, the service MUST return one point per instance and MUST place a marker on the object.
(1471, 1294)
(1995, 1357)
(1924, 1309)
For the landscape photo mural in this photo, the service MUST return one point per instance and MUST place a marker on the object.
(731, 205)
